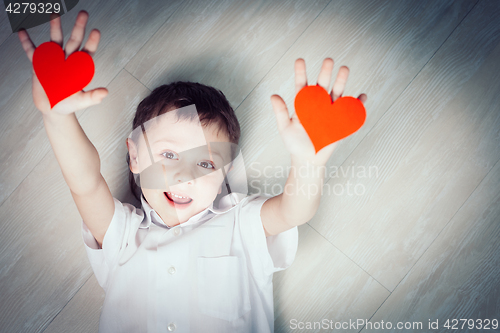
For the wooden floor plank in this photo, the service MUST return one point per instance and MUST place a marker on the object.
(431, 152)
(81, 314)
(322, 284)
(229, 45)
(42, 259)
(5, 29)
(458, 276)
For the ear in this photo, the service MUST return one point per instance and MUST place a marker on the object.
(132, 151)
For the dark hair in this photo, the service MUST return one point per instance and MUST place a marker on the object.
(211, 105)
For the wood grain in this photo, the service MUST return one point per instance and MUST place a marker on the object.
(322, 284)
(5, 29)
(459, 274)
(81, 314)
(229, 45)
(430, 152)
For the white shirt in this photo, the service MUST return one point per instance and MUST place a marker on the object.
(212, 273)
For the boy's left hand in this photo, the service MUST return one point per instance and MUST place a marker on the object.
(295, 137)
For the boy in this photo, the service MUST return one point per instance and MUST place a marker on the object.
(179, 264)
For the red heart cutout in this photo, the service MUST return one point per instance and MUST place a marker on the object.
(61, 78)
(325, 121)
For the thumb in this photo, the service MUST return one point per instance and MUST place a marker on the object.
(92, 97)
(280, 111)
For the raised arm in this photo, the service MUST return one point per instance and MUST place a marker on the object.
(77, 157)
(302, 192)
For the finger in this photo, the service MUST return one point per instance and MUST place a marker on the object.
(300, 75)
(340, 82)
(363, 98)
(280, 111)
(56, 34)
(78, 33)
(91, 97)
(325, 74)
(92, 42)
(26, 43)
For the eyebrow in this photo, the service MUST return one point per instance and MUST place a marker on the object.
(215, 153)
(164, 140)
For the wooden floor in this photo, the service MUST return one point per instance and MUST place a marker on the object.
(409, 226)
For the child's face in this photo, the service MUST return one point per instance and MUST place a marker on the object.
(187, 177)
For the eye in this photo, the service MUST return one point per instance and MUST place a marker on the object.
(206, 165)
(170, 155)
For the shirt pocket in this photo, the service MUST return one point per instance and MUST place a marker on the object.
(223, 290)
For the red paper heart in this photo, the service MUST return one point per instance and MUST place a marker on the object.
(325, 121)
(61, 78)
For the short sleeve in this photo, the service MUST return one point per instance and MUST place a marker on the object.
(103, 260)
(271, 254)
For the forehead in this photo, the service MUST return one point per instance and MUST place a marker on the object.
(183, 128)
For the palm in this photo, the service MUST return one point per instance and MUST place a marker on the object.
(291, 130)
(296, 140)
(81, 99)
(66, 106)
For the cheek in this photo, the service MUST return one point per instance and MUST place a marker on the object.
(150, 195)
(210, 183)
(144, 161)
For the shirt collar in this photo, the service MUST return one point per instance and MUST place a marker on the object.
(151, 216)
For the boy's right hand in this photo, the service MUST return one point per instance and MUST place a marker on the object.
(81, 99)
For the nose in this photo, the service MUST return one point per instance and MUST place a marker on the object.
(183, 177)
(182, 173)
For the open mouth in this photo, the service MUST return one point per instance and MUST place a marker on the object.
(178, 199)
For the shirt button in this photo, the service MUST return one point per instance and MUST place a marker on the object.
(171, 327)
(177, 231)
(171, 270)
